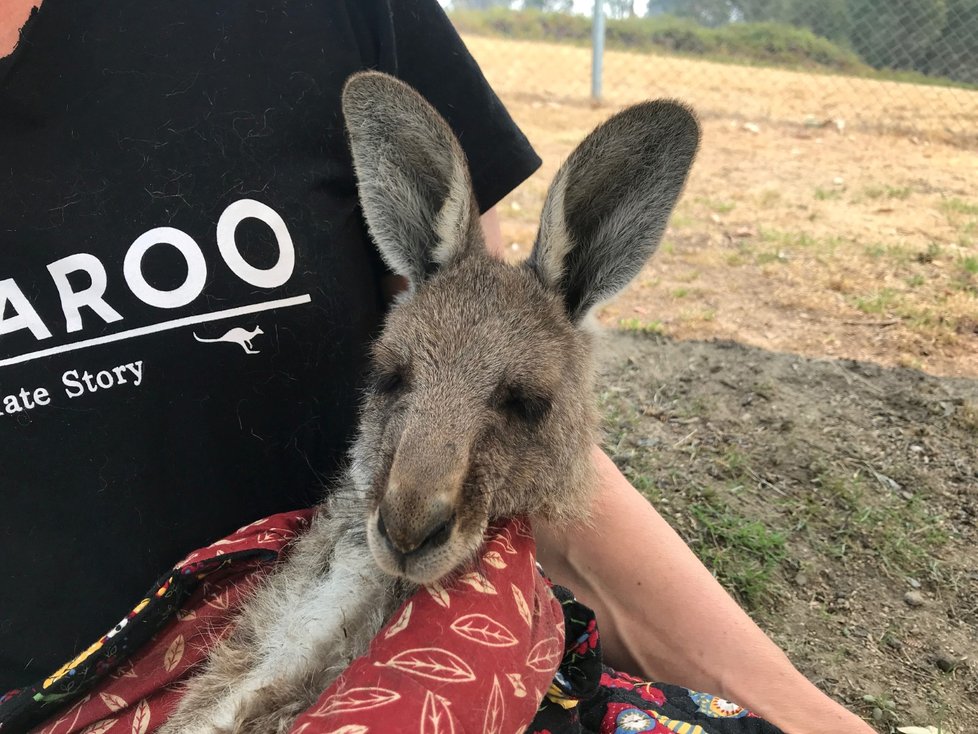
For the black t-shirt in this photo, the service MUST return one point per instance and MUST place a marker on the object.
(186, 284)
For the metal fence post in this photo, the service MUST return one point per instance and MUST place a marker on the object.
(597, 50)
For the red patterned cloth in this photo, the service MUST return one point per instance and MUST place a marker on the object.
(475, 656)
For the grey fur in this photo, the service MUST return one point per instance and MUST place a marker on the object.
(608, 205)
(480, 405)
(412, 177)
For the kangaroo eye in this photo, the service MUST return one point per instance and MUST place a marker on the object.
(388, 382)
(524, 403)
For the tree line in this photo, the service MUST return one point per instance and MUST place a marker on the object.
(935, 37)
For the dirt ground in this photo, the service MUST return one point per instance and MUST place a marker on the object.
(821, 492)
(792, 237)
(792, 379)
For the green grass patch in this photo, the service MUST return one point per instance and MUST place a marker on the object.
(896, 253)
(718, 206)
(761, 44)
(879, 302)
(693, 315)
(640, 326)
(967, 417)
(847, 514)
(743, 552)
(959, 206)
(800, 240)
(966, 277)
(770, 44)
(827, 194)
(678, 220)
(887, 192)
(733, 464)
(737, 259)
(766, 258)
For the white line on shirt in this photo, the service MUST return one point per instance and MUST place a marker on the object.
(164, 326)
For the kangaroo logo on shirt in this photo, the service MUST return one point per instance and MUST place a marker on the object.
(18, 314)
(237, 335)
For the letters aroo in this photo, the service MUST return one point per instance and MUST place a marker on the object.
(17, 313)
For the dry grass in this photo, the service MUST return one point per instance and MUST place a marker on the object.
(794, 237)
(523, 69)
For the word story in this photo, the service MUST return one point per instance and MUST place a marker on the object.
(74, 384)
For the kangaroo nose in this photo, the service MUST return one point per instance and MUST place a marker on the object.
(425, 534)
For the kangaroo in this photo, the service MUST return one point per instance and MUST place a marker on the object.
(237, 335)
(479, 404)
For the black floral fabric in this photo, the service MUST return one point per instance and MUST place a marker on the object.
(588, 697)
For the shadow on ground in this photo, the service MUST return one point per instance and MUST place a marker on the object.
(837, 500)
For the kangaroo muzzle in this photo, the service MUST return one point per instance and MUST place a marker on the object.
(418, 511)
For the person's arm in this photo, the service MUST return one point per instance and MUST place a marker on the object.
(13, 15)
(493, 233)
(663, 614)
(660, 611)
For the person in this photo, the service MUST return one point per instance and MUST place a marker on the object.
(187, 290)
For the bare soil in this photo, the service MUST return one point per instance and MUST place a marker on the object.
(793, 381)
(821, 492)
(792, 235)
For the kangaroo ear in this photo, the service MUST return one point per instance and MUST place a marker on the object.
(411, 175)
(607, 208)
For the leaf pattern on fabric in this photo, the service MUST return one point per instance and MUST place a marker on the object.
(224, 541)
(74, 713)
(141, 718)
(519, 689)
(484, 630)
(100, 727)
(545, 655)
(402, 622)
(113, 702)
(173, 653)
(271, 537)
(505, 541)
(494, 559)
(444, 690)
(522, 528)
(125, 671)
(478, 582)
(129, 667)
(521, 606)
(435, 663)
(436, 717)
(439, 594)
(495, 710)
(355, 699)
(219, 600)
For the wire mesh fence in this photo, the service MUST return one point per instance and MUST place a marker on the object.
(908, 66)
(833, 208)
